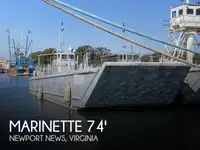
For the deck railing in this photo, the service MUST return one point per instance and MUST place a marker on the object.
(55, 69)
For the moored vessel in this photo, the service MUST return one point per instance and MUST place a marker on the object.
(118, 83)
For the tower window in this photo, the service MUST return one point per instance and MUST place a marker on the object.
(180, 12)
(198, 12)
(190, 11)
(173, 14)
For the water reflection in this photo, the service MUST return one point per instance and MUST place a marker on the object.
(144, 129)
(11, 81)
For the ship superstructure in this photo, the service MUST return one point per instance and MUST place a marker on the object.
(184, 29)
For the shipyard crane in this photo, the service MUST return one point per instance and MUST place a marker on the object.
(59, 5)
(9, 47)
(27, 44)
(22, 64)
(14, 47)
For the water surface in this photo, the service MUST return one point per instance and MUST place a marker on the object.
(173, 128)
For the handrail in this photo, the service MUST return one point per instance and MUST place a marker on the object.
(118, 35)
(118, 26)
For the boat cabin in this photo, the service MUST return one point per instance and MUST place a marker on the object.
(63, 59)
(58, 59)
(185, 17)
(57, 62)
(121, 57)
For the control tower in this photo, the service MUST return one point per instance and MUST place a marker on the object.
(184, 29)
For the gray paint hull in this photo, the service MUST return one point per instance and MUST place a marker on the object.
(191, 89)
(115, 85)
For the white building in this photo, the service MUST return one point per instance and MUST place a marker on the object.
(4, 64)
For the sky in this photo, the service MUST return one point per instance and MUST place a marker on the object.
(44, 21)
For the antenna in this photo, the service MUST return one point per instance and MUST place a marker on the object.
(62, 44)
(124, 46)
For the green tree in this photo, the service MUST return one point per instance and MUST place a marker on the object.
(81, 51)
(43, 60)
(155, 56)
(94, 54)
(197, 58)
(97, 53)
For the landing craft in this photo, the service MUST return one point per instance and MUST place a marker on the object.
(121, 80)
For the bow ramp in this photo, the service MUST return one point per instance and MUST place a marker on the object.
(135, 84)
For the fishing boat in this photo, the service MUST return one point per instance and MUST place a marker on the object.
(19, 63)
(24, 66)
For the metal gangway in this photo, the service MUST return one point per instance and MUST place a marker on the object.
(63, 7)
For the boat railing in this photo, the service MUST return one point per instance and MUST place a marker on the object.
(58, 69)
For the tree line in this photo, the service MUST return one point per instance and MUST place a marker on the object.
(95, 54)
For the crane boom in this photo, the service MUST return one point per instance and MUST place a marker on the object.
(117, 25)
(9, 47)
(118, 35)
(31, 42)
(27, 45)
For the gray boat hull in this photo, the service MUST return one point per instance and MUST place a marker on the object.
(191, 89)
(115, 85)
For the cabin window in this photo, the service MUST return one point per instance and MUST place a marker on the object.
(64, 56)
(58, 55)
(180, 13)
(173, 14)
(71, 56)
(198, 11)
(190, 11)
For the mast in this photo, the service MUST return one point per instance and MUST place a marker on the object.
(9, 47)
(27, 45)
(62, 44)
